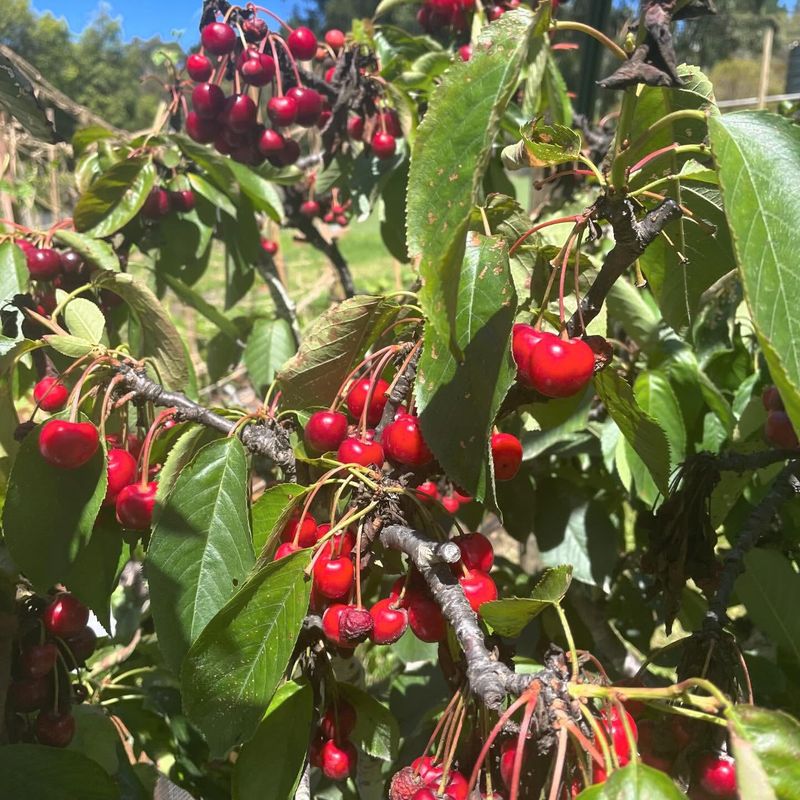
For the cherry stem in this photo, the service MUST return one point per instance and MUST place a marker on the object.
(74, 398)
(454, 735)
(523, 734)
(562, 281)
(292, 60)
(144, 456)
(585, 745)
(453, 700)
(576, 279)
(346, 382)
(610, 45)
(272, 14)
(609, 760)
(278, 76)
(558, 770)
(310, 499)
(375, 377)
(105, 410)
(216, 78)
(541, 226)
(358, 563)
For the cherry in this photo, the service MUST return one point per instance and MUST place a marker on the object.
(427, 491)
(43, 263)
(135, 505)
(72, 263)
(307, 537)
(68, 445)
(616, 730)
(158, 204)
(334, 38)
(523, 339)
(506, 455)
(286, 549)
(338, 721)
(779, 430)
(287, 156)
(30, 695)
(451, 504)
(355, 128)
(465, 52)
(121, 472)
(560, 368)
(240, 113)
(25, 246)
(271, 142)
(771, 398)
(256, 69)
(183, 200)
(331, 625)
(507, 752)
(427, 768)
(389, 621)
(495, 12)
(355, 450)
(334, 577)
(424, 794)
(310, 209)
(425, 619)
(302, 43)
(338, 762)
(199, 67)
(341, 220)
(325, 431)
(716, 774)
(456, 786)
(403, 443)
(82, 644)
(476, 551)
(340, 544)
(254, 29)
(390, 122)
(282, 110)
(218, 38)
(201, 130)
(270, 247)
(208, 100)
(38, 660)
(383, 145)
(309, 105)
(478, 588)
(54, 729)
(50, 394)
(357, 398)
(65, 616)
(132, 442)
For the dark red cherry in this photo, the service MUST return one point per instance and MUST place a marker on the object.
(355, 128)
(338, 761)
(254, 29)
(282, 110)
(135, 504)
(82, 645)
(357, 398)
(203, 131)
(506, 455)
(50, 394)
(771, 398)
(310, 209)
(383, 145)
(73, 264)
(68, 445)
(121, 472)
(65, 616)
(478, 588)
(240, 113)
(355, 450)
(31, 694)
(256, 69)
(338, 721)
(334, 38)
(305, 533)
(199, 67)
(425, 619)
(208, 100)
(325, 431)
(403, 443)
(561, 368)
(54, 729)
(389, 621)
(716, 774)
(476, 551)
(495, 12)
(287, 156)
(779, 430)
(218, 38)
(302, 43)
(331, 620)
(334, 577)
(38, 660)
(44, 263)
(390, 122)
(271, 142)
(158, 204)
(183, 200)
(270, 247)
(309, 105)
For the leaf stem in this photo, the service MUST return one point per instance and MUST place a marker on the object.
(569, 25)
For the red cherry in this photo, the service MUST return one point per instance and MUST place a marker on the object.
(50, 394)
(340, 544)
(355, 450)
(83, 644)
(451, 504)
(615, 728)
(390, 122)
(65, 616)
(158, 204)
(68, 445)
(560, 368)
(270, 247)
(282, 110)
(389, 621)
(286, 549)
(338, 721)
(256, 69)
(331, 620)
(476, 551)
(334, 577)
(121, 472)
(383, 145)
(254, 29)
(456, 786)
(302, 43)
(495, 12)
(507, 752)
(357, 398)
(24, 245)
(599, 775)
(506, 455)
(478, 588)
(310, 209)
(271, 142)
(425, 619)
(199, 67)
(338, 762)
(38, 660)
(325, 431)
(309, 105)
(716, 774)
(427, 768)
(183, 200)
(287, 156)
(132, 441)
(465, 52)
(424, 794)
(43, 263)
(427, 491)
(779, 430)
(355, 128)
(201, 130)
(72, 263)
(30, 695)
(771, 398)
(208, 100)
(334, 38)
(135, 505)
(54, 729)
(240, 113)
(403, 443)
(218, 38)
(329, 73)
(307, 536)
(523, 339)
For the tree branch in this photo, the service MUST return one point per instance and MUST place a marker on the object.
(399, 392)
(284, 304)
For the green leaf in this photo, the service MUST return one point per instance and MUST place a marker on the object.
(763, 211)
(85, 320)
(234, 667)
(448, 161)
(458, 400)
(49, 512)
(376, 731)
(770, 589)
(19, 98)
(96, 252)
(89, 135)
(13, 272)
(538, 55)
(332, 346)
(270, 765)
(37, 772)
(556, 93)
(217, 198)
(635, 782)
(160, 338)
(656, 397)
(201, 549)
(542, 146)
(269, 346)
(260, 191)
(115, 198)
(510, 616)
(179, 457)
(766, 745)
(95, 736)
(640, 430)
(272, 510)
(196, 301)
(70, 346)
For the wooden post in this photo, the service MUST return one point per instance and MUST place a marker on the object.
(766, 61)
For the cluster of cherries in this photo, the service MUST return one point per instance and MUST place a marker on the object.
(162, 202)
(778, 429)
(331, 750)
(424, 779)
(55, 640)
(329, 209)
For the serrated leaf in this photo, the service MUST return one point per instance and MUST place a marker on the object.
(542, 146)
(234, 667)
(511, 615)
(763, 211)
(260, 191)
(269, 766)
(376, 732)
(70, 346)
(656, 397)
(201, 548)
(85, 320)
(635, 782)
(458, 400)
(272, 510)
(269, 346)
(95, 252)
(332, 346)
(448, 161)
(179, 457)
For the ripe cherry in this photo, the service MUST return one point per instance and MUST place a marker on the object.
(357, 398)
(355, 128)
(390, 122)
(771, 398)
(615, 728)
(135, 504)
(50, 394)
(240, 113)
(282, 110)
(208, 100)
(523, 339)
(302, 43)
(507, 750)
(424, 794)
(43, 263)
(428, 769)
(389, 621)
(338, 761)
(271, 142)
(218, 38)
(383, 145)
(334, 38)
(287, 156)
(427, 491)
(716, 774)
(476, 551)
(199, 67)
(338, 721)
(506, 455)
(451, 504)
(403, 443)
(30, 695)
(779, 430)
(334, 577)
(121, 472)
(560, 368)
(309, 105)
(310, 209)
(256, 69)
(465, 52)
(325, 431)
(425, 619)
(54, 729)
(183, 200)
(478, 588)
(270, 247)
(286, 549)
(68, 445)
(158, 204)
(72, 263)
(307, 535)
(65, 616)
(331, 620)
(82, 644)
(355, 450)
(38, 660)
(201, 130)
(456, 786)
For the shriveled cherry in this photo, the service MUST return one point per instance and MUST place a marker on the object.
(199, 67)
(331, 624)
(561, 368)
(50, 394)
(389, 621)
(403, 442)
(357, 398)
(506, 455)
(68, 445)
(135, 504)
(218, 38)
(338, 761)
(476, 551)
(334, 577)
(65, 616)
(302, 43)
(54, 728)
(479, 588)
